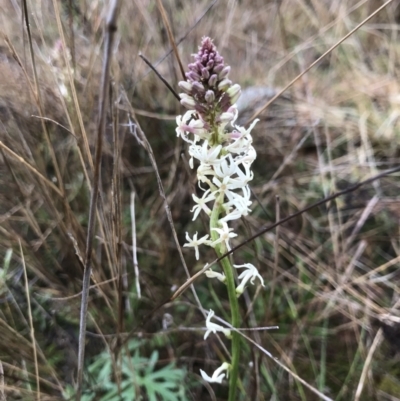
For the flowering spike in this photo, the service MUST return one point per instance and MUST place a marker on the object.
(224, 154)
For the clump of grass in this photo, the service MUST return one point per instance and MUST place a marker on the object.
(330, 272)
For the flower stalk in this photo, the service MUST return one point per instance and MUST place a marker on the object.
(224, 153)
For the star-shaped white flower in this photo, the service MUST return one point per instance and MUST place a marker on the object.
(196, 242)
(205, 154)
(242, 139)
(212, 274)
(239, 203)
(225, 169)
(188, 123)
(250, 273)
(224, 235)
(233, 215)
(247, 157)
(226, 186)
(201, 203)
(217, 375)
(213, 327)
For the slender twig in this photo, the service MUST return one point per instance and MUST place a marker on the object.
(38, 99)
(31, 168)
(134, 250)
(32, 329)
(57, 123)
(276, 252)
(2, 393)
(261, 109)
(367, 364)
(71, 32)
(72, 84)
(111, 28)
(163, 80)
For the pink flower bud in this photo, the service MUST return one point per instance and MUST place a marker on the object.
(210, 96)
(213, 80)
(218, 68)
(198, 87)
(224, 73)
(205, 73)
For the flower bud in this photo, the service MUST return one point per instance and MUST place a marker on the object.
(225, 102)
(198, 88)
(224, 73)
(187, 101)
(210, 96)
(226, 117)
(218, 68)
(192, 76)
(224, 85)
(205, 73)
(213, 80)
(234, 93)
(185, 86)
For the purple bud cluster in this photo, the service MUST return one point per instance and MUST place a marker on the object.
(208, 90)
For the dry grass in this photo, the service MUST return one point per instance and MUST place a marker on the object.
(332, 273)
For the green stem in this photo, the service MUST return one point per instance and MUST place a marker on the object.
(233, 301)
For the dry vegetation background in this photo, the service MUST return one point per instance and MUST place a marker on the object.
(332, 282)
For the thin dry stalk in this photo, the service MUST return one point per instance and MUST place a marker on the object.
(367, 364)
(134, 248)
(2, 392)
(31, 168)
(28, 297)
(276, 251)
(170, 36)
(111, 28)
(39, 101)
(72, 84)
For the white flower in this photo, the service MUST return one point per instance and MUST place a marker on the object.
(224, 235)
(195, 127)
(240, 203)
(234, 215)
(245, 176)
(203, 171)
(206, 155)
(250, 273)
(243, 139)
(217, 375)
(213, 327)
(226, 186)
(248, 157)
(187, 101)
(225, 169)
(212, 274)
(201, 203)
(196, 242)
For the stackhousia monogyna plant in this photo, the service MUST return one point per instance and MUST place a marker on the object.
(224, 154)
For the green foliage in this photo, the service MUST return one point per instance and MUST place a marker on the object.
(139, 378)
